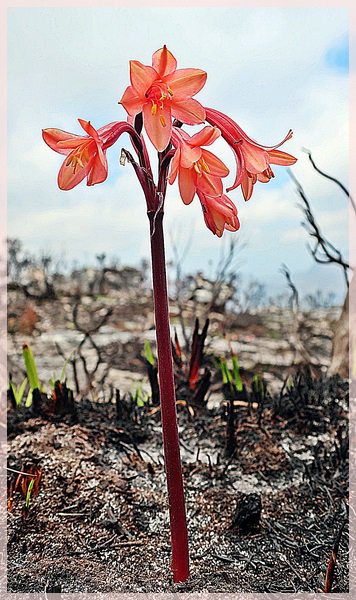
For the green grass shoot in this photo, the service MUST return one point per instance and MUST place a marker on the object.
(236, 371)
(18, 391)
(28, 494)
(225, 372)
(30, 367)
(148, 353)
(141, 397)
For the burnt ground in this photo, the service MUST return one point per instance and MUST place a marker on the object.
(99, 522)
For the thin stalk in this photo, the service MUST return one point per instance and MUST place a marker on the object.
(179, 536)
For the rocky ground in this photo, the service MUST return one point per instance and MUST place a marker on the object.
(265, 340)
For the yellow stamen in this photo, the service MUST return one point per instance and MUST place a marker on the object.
(196, 167)
(154, 109)
(204, 166)
(163, 120)
(170, 91)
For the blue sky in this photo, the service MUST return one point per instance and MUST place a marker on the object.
(269, 69)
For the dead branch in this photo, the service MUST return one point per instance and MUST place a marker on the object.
(323, 252)
(331, 178)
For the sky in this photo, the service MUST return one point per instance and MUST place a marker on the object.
(269, 69)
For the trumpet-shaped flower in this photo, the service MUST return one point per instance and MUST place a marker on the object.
(253, 160)
(219, 213)
(86, 155)
(197, 169)
(163, 91)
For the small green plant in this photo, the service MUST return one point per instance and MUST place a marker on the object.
(148, 353)
(61, 379)
(28, 493)
(31, 369)
(237, 377)
(140, 397)
(231, 377)
(18, 391)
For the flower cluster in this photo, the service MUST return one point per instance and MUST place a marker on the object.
(160, 99)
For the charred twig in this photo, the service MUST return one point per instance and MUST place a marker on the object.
(298, 320)
(323, 252)
(331, 178)
(294, 299)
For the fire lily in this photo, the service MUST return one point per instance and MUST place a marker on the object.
(219, 214)
(157, 94)
(163, 91)
(86, 155)
(197, 169)
(253, 160)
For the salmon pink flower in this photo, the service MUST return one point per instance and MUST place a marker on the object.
(160, 99)
(163, 91)
(197, 169)
(253, 160)
(86, 155)
(219, 213)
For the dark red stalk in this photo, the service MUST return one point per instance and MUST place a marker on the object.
(179, 536)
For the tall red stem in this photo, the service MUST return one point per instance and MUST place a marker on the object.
(179, 536)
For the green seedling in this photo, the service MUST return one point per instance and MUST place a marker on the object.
(290, 383)
(28, 493)
(61, 379)
(30, 368)
(28, 402)
(258, 384)
(237, 377)
(18, 391)
(148, 353)
(140, 397)
(225, 372)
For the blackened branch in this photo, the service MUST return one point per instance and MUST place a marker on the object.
(294, 299)
(323, 251)
(331, 178)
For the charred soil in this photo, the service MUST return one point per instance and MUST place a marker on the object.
(262, 517)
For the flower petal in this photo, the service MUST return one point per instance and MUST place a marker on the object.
(247, 186)
(277, 157)
(189, 155)
(205, 137)
(216, 166)
(131, 101)
(164, 62)
(68, 178)
(141, 77)
(89, 129)
(98, 171)
(220, 214)
(188, 111)
(209, 185)
(173, 172)
(186, 185)
(185, 83)
(256, 159)
(158, 125)
(53, 136)
(263, 178)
